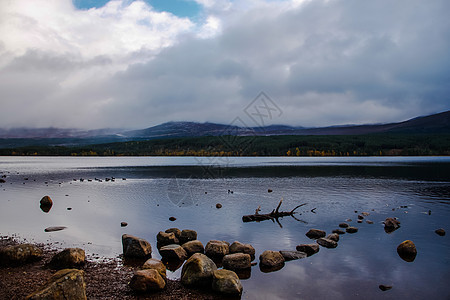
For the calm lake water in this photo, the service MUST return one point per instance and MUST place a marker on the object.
(188, 188)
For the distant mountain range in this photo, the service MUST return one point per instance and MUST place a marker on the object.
(433, 124)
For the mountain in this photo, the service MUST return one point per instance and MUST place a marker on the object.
(433, 124)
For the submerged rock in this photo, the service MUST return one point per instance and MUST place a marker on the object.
(236, 261)
(68, 258)
(156, 264)
(19, 254)
(147, 280)
(192, 247)
(315, 233)
(440, 231)
(198, 271)
(64, 284)
(407, 251)
(226, 282)
(293, 255)
(135, 247)
(309, 249)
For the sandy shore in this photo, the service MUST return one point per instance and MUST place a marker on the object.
(107, 279)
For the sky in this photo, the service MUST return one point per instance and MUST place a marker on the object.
(134, 64)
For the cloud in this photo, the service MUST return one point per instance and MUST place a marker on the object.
(124, 64)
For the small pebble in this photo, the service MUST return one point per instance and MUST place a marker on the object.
(218, 205)
(440, 231)
(172, 219)
(123, 224)
(385, 287)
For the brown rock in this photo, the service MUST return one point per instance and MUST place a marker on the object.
(156, 264)
(173, 251)
(384, 287)
(309, 249)
(135, 247)
(333, 237)
(236, 261)
(165, 239)
(54, 228)
(226, 282)
(68, 258)
(238, 247)
(218, 205)
(315, 233)
(198, 271)
(64, 284)
(271, 259)
(147, 280)
(192, 247)
(172, 219)
(338, 231)
(391, 224)
(440, 231)
(343, 225)
(327, 243)
(19, 254)
(351, 229)
(175, 231)
(46, 201)
(407, 251)
(187, 235)
(216, 249)
(293, 255)
(123, 224)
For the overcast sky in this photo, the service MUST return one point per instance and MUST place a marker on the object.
(135, 64)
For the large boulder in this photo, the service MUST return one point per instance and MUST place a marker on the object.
(293, 255)
(315, 234)
(327, 243)
(135, 247)
(216, 249)
(226, 282)
(68, 258)
(192, 247)
(407, 251)
(19, 254)
(164, 239)
(391, 224)
(64, 284)
(237, 261)
(271, 261)
(187, 235)
(155, 264)
(148, 280)
(198, 271)
(173, 251)
(238, 247)
(309, 249)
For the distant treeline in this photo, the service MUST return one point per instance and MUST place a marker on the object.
(286, 145)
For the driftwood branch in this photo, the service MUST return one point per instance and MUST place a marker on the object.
(273, 215)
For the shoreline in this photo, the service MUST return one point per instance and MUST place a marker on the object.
(106, 279)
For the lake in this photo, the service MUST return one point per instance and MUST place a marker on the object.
(148, 190)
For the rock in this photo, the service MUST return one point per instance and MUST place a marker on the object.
(165, 239)
(135, 247)
(315, 233)
(271, 259)
(333, 237)
(359, 221)
(226, 282)
(148, 280)
(218, 205)
(369, 222)
(238, 247)
(64, 284)
(365, 214)
(173, 251)
(338, 231)
(46, 201)
(123, 224)
(68, 259)
(19, 254)
(351, 229)
(391, 224)
(293, 255)
(343, 225)
(348, 220)
(440, 231)
(188, 235)
(198, 271)
(192, 247)
(327, 243)
(216, 249)
(236, 261)
(309, 249)
(172, 264)
(156, 264)
(269, 191)
(2, 180)
(407, 251)
(172, 219)
(54, 228)
(175, 231)
(384, 287)
(360, 217)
